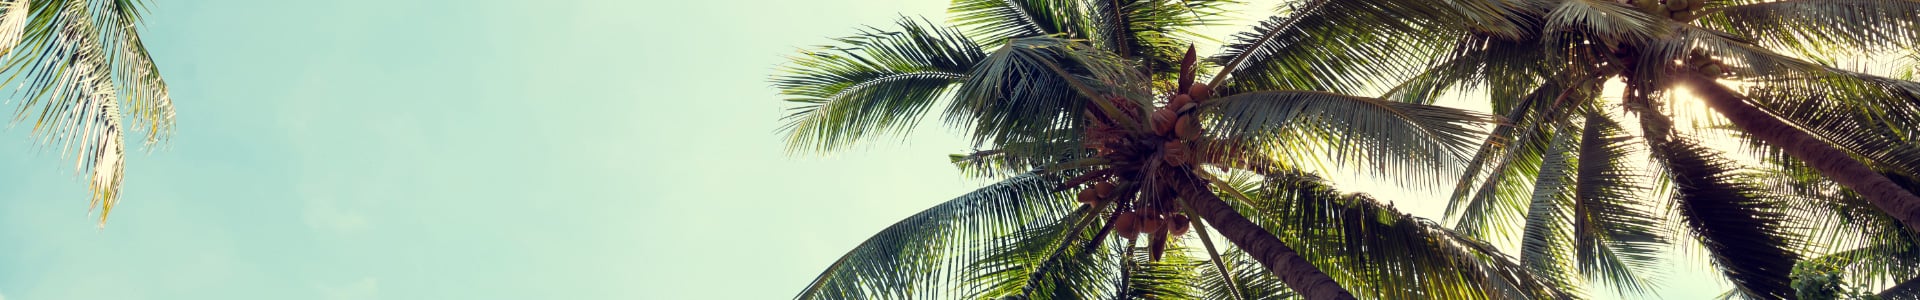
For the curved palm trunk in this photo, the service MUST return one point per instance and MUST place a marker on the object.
(1837, 165)
(1292, 269)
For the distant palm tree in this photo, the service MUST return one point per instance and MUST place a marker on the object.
(83, 78)
(1095, 96)
(1558, 171)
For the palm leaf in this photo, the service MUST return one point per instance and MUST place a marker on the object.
(1818, 26)
(880, 82)
(909, 259)
(1375, 250)
(1417, 137)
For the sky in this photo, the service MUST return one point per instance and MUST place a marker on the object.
(479, 149)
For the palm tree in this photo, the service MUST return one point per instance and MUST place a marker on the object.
(1556, 173)
(1111, 115)
(84, 79)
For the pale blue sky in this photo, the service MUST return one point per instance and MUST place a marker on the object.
(477, 149)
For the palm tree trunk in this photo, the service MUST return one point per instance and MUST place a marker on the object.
(1292, 269)
(1906, 290)
(1835, 164)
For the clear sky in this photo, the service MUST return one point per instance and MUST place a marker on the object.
(475, 149)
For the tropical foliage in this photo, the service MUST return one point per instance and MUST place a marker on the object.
(84, 81)
(1597, 167)
(1557, 178)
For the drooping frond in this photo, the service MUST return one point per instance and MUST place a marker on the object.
(1605, 20)
(876, 82)
(914, 258)
(1377, 251)
(1617, 237)
(994, 22)
(1418, 138)
(1740, 225)
(1819, 26)
(1254, 282)
(1343, 46)
(1045, 262)
(75, 66)
(1502, 165)
(1548, 235)
(1038, 88)
(1155, 32)
(1173, 277)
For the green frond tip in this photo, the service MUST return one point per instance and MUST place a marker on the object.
(876, 82)
(83, 78)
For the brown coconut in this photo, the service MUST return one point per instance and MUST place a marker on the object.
(1105, 189)
(1127, 225)
(1179, 223)
(1200, 92)
(1178, 101)
(1187, 128)
(1089, 196)
(1151, 223)
(1678, 5)
(1163, 120)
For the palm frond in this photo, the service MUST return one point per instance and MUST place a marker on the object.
(1174, 276)
(1375, 250)
(1038, 88)
(912, 258)
(1339, 46)
(1418, 137)
(1548, 233)
(70, 72)
(1740, 225)
(1618, 237)
(1819, 26)
(1605, 20)
(1254, 281)
(876, 82)
(1156, 32)
(994, 22)
(1046, 262)
(1503, 162)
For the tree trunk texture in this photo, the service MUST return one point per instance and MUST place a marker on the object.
(1266, 248)
(1832, 162)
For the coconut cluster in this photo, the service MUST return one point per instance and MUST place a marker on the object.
(1706, 64)
(1157, 226)
(1149, 149)
(1683, 10)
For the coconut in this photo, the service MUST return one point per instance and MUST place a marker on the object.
(1650, 6)
(1179, 101)
(1180, 224)
(1714, 70)
(1151, 223)
(1163, 120)
(1187, 128)
(1678, 5)
(1127, 225)
(1200, 91)
(1104, 188)
(1089, 196)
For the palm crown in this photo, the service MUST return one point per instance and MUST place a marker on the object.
(1096, 105)
(1556, 173)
